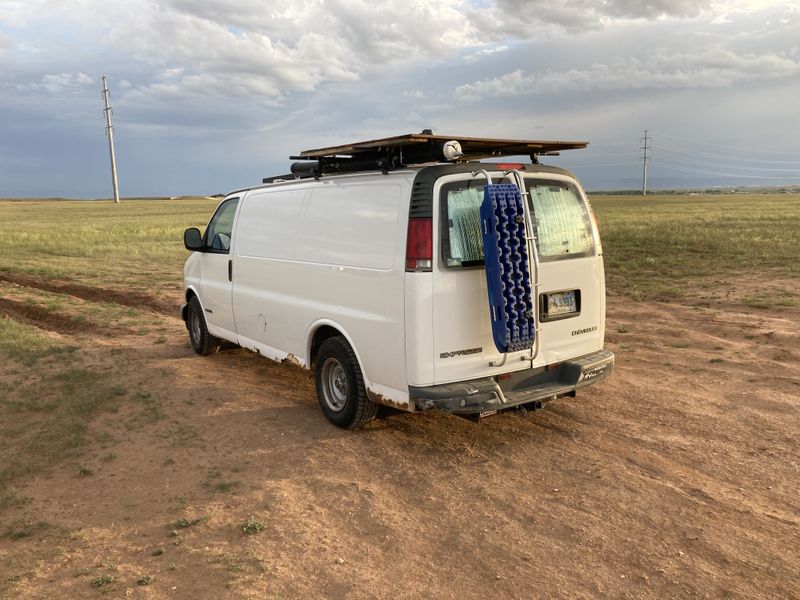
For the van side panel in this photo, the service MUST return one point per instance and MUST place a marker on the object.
(326, 252)
(351, 225)
(270, 223)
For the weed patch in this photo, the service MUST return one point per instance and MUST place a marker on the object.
(184, 523)
(102, 580)
(252, 526)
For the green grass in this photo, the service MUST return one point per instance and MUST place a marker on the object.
(26, 344)
(23, 529)
(136, 242)
(96, 315)
(767, 301)
(654, 244)
(45, 416)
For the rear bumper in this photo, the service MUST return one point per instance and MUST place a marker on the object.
(531, 385)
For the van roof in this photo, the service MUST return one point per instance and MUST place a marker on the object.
(424, 175)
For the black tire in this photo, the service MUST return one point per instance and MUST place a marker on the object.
(340, 385)
(203, 342)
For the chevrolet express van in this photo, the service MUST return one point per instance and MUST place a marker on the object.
(367, 265)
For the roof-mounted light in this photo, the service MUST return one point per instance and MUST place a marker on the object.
(452, 150)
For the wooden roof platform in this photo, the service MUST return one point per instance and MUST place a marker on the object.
(474, 148)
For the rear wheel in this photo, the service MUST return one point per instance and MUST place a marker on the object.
(340, 385)
(203, 342)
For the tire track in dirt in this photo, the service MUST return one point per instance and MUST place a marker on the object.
(94, 294)
(45, 319)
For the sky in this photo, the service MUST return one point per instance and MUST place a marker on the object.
(213, 95)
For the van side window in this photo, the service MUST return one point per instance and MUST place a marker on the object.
(218, 232)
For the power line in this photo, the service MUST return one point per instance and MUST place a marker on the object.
(685, 151)
(600, 144)
(727, 147)
(602, 154)
(594, 165)
(666, 155)
(740, 175)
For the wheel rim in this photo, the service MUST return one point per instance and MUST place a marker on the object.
(194, 327)
(334, 384)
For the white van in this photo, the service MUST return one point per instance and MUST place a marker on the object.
(367, 266)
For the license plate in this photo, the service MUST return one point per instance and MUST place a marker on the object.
(560, 304)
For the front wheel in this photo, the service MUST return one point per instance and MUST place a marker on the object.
(340, 385)
(203, 342)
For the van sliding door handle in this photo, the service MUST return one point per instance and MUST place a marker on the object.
(230, 270)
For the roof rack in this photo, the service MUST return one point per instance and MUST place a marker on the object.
(400, 151)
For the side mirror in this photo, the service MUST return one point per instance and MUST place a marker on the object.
(192, 239)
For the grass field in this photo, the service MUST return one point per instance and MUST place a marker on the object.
(137, 243)
(651, 243)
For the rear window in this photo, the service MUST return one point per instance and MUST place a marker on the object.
(563, 227)
(562, 222)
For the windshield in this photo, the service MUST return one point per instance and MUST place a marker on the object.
(563, 227)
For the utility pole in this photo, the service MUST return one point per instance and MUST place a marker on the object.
(645, 158)
(110, 133)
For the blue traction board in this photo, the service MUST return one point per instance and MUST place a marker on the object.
(507, 275)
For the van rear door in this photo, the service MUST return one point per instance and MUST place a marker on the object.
(570, 268)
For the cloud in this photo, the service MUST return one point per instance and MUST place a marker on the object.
(61, 83)
(524, 19)
(249, 48)
(715, 67)
(18, 13)
(484, 52)
(295, 48)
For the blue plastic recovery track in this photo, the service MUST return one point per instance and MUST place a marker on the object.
(507, 274)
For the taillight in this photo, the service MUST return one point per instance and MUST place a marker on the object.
(419, 245)
(595, 227)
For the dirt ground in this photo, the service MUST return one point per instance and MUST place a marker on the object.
(676, 478)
